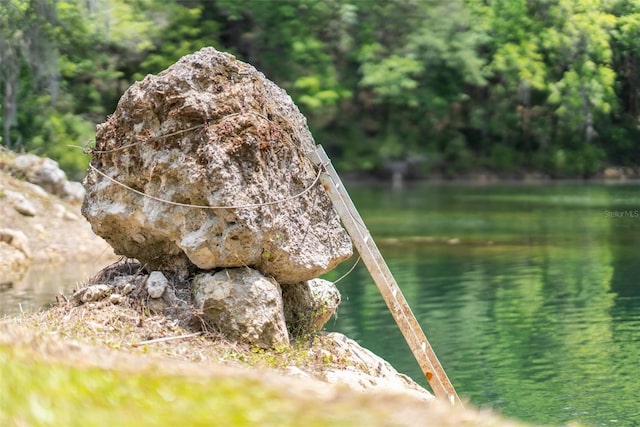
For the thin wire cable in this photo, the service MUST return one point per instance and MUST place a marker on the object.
(133, 144)
(228, 116)
(221, 119)
(350, 270)
(186, 205)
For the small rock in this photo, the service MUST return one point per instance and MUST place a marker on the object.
(73, 190)
(20, 203)
(69, 216)
(39, 228)
(243, 305)
(25, 208)
(156, 305)
(115, 298)
(61, 212)
(26, 162)
(156, 284)
(309, 305)
(16, 239)
(36, 189)
(128, 280)
(128, 288)
(94, 293)
(171, 298)
(13, 264)
(44, 172)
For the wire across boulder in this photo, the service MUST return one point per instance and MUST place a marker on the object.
(202, 175)
(204, 166)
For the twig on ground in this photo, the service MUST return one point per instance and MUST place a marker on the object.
(163, 339)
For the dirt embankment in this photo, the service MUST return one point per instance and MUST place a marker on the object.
(38, 227)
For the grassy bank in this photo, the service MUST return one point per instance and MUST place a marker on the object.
(80, 367)
(40, 390)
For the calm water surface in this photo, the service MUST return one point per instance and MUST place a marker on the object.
(39, 286)
(528, 293)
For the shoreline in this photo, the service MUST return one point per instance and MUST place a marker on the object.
(356, 178)
(53, 354)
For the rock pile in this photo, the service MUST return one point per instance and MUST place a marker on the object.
(38, 207)
(47, 174)
(202, 173)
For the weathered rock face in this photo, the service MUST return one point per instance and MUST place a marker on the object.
(309, 305)
(365, 370)
(212, 131)
(243, 305)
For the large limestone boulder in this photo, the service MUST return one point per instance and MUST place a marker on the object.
(212, 131)
(243, 305)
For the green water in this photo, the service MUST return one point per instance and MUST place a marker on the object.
(528, 293)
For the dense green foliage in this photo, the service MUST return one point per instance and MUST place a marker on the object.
(449, 85)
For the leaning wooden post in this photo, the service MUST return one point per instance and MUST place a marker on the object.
(383, 278)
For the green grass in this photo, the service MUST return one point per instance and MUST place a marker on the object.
(40, 393)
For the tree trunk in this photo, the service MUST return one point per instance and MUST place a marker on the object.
(10, 101)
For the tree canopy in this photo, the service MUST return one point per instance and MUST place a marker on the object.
(458, 85)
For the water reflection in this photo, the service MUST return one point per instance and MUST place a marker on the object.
(40, 284)
(528, 295)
